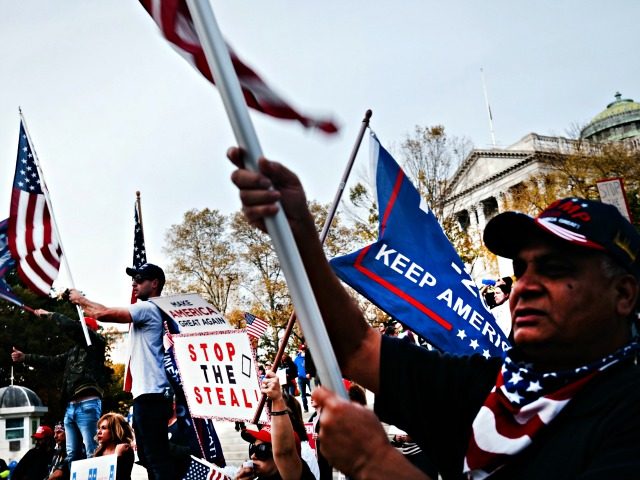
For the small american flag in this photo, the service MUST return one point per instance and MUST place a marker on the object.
(202, 470)
(32, 239)
(174, 19)
(256, 327)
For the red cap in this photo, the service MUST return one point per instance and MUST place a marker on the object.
(43, 432)
(264, 435)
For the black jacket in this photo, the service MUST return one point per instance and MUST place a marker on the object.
(84, 366)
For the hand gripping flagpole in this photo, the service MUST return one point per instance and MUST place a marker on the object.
(45, 191)
(323, 236)
(278, 228)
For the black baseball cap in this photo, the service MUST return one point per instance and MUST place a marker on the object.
(580, 222)
(148, 271)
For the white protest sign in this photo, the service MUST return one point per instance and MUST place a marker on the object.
(98, 468)
(191, 312)
(611, 191)
(219, 375)
(282, 376)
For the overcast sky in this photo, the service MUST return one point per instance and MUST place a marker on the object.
(112, 109)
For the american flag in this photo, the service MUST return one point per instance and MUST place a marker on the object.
(255, 326)
(202, 470)
(139, 251)
(32, 239)
(521, 404)
(174, 19)
(139, 259)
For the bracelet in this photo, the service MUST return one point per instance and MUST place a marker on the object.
(281, 412)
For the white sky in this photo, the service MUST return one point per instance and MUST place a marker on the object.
(112, 109)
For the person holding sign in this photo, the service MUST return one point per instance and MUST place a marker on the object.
(114, 437)
(275, 453)
(561, 404)
(152, 393)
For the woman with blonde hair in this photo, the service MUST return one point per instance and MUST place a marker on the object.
(115, 436)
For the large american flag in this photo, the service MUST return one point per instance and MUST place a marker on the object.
(256, 327)
(174, 20)
(32, 239)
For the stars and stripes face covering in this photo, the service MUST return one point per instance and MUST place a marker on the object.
(523, 402)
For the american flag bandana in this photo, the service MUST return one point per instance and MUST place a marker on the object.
(522, 402)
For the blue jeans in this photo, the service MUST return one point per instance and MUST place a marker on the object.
(80, 426)
(151, 413)
(303, 386)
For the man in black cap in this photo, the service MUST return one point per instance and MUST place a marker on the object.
(152, 394)
(562, 404)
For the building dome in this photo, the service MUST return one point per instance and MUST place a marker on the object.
(15, 396)
(620, 120)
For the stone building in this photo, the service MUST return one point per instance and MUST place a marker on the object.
(486, 175)
(20, 413)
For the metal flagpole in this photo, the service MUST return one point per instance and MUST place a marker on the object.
(323, 236)
(284, 244)
(486, 101)
(47, 198)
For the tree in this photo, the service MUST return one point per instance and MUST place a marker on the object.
(262, 279)
(430, 157)
(204, 259)
(31, 334)
(576, 174)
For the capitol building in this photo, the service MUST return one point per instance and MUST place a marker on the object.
(483, 182)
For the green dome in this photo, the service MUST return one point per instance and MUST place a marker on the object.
(620, 120)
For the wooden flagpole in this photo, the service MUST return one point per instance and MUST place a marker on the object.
(284, 244)
(45, 191)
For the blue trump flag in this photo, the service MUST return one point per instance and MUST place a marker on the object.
(413, 273)
(6, 263)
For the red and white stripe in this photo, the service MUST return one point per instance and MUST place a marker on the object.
(32, 241)
(174, 20)
(502, 429)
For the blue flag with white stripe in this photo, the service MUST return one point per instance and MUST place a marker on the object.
(413, 273)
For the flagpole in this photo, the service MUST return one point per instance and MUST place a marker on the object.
(139, 207)
(45, 191)
(323, 236)
(486, 101)
(17, 303)
(284, 244)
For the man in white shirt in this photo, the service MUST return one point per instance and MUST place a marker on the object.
(152, 394)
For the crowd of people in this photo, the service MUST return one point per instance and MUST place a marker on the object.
(560, 404)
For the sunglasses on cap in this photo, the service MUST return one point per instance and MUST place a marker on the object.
(261, 451)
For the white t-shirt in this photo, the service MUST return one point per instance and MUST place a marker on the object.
(146, 350)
